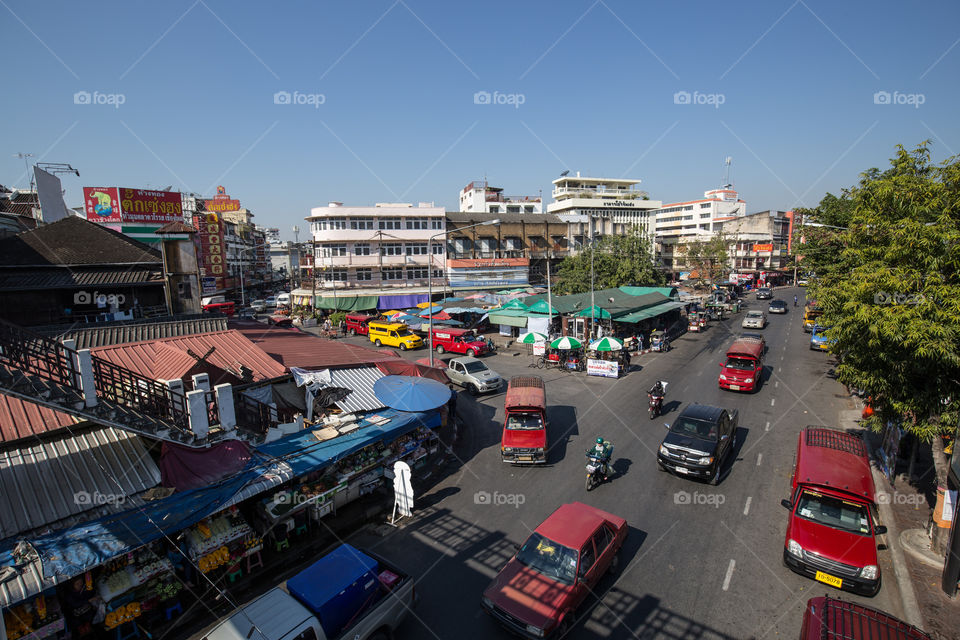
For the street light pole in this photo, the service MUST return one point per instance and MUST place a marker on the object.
(243, 298)
(430, 274)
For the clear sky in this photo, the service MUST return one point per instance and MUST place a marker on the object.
(386, 99)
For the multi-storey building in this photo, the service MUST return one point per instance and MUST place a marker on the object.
(607, 206)
(759, 243)
(384, 246)
(679, 223)
(480, 197)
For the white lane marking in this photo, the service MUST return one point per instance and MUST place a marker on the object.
(776, 384)
(780, 370)
(773, 401)
(726, 579)
(767, 428)
(759, 458)
(746, 508)
(781, 357)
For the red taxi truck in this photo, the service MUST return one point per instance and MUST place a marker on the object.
(357, 323)
(743, 366)
(832, 529)
(524, 439)
(458, 341)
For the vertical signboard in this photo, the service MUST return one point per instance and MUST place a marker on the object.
(101, 204)
(210, 249)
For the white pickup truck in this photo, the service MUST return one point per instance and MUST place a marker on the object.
(346, 595)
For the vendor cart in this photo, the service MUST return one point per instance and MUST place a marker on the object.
(659, 341)
(694, 322)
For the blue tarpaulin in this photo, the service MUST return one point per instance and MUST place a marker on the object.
(70, 552)
(401, 302)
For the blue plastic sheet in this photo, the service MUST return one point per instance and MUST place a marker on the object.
(401, 301)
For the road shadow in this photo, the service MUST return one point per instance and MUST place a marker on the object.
(621, 467)
(563, 427)
(670, 407)
(739, 439)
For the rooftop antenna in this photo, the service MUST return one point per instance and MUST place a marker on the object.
(726, 174)
(26, 164)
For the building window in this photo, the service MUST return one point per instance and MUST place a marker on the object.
(333, 250)
(705, 205)
(511, 208)
(438, 248)
(487, 245)
(391, 249)
(418, 223)
(392, 274)
(364, 275)
(437, 273)
(461, 245)
(436, 223)
(416, 273)
(419, 249)
(528, 208)
(329, 275)
(332, 224)
(390, 223)
(361, 223)
(512, 244)
(361, 249)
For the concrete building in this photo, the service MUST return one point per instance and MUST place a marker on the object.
(480, 197)
(678, 223)
(386, 246)
(607, 206)
(285, 261)
(759, 244)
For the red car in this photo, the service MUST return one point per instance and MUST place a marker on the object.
(832, 529)
(825, 617)
(279, 320)
(537, 593)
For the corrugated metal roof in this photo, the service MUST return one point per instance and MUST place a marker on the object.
(295, 348)
(91, 472)
(167, 358)
(29, 582)
(16, 278)
(124, 332)
(21, 419)
(360, 381)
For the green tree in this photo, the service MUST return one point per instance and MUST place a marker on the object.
(618, 261)
(891, 293)
(709, 258)
(816, 247)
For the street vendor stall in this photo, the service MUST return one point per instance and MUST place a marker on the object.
(39, 617)
(607, 358)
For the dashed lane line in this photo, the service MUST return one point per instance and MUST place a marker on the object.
(746, 507)
(726, 579)
(759, 458)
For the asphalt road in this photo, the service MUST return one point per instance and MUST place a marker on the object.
(700, 561)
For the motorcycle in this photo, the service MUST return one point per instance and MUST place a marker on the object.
(594, 470)
(655, 407)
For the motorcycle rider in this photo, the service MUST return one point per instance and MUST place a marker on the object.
(656, 394)
(794, 300)
(603, 450)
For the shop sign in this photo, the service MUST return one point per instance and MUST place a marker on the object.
(221, 202)
(762, 247)
(603, 368)
(539, 348)
(101, 204)
(210, 247)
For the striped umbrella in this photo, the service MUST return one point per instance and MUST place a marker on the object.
(531, 337)
(607, 344)
(566, 342)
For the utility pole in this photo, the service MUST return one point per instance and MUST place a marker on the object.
(313, 274)
(549, 304)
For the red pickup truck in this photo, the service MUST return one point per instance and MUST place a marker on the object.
(524, 439)
(458, 341)
(357, 323)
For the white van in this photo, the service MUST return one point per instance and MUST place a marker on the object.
(283, 300)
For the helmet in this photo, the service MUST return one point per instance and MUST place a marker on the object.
(599, 440)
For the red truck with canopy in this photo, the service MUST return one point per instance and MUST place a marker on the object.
(743, 367)
(357, 323)
(458, 341)
(524, 439)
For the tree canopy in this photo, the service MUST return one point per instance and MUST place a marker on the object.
(708, 257)
(889, 287)
(618, 260)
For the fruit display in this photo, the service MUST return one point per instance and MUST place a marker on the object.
(42, 614)
(213, 533)
(122, 614)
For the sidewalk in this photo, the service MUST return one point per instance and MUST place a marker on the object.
(905, 508)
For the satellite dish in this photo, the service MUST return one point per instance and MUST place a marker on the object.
(564, 173)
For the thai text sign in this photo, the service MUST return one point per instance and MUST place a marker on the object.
(762, 247)
(210, 250)
(604, 368)
(101, 204)
(137, 205)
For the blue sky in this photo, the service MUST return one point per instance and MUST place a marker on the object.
(387, 112)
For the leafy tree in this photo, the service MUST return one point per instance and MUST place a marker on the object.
(816, 247)
(618, 260)
(891, 293)
(709, 258)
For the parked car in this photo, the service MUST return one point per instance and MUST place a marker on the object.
(699, 442)
(271, 302)
(348, 593)
(357, 323)
(248, 313)
(802, 282)
(764, 293)
(259, 305)
(283, 299)
(826, 617)
(393, 334)
(818, 339)
(537, 593)
(279, 320)
(832, 527)
(458, 341)
(754, 320)
(524, 439)
(473, 375)
(226, 308)
(777, 306)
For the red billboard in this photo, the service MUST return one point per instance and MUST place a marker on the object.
(101, 204)
(221, 202)
(161, 207)
(211, 253)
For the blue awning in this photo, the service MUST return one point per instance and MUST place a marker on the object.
(70, 552)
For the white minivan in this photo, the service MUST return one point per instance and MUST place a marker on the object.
(283, 300)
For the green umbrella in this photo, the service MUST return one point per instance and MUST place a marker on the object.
(566, 342)
(594, 312)
(531, 337)
(607, 344)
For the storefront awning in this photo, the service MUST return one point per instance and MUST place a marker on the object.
(651, 312)
(509, 317)
(347, 303)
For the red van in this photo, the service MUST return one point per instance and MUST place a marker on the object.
(357, 323)
(830, 619)
(458, 341)
(524, 439)
(832, 529)
(226, 308)
(743, 367)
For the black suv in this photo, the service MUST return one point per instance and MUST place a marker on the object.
(764, 293)
(699, 442)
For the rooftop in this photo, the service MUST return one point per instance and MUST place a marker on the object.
(74, 241)
(111, 333)
(292, 347)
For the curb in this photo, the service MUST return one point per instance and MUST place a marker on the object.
(917, 544)
(908, 597)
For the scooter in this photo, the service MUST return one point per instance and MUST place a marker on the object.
(655, 405)
(594, 470)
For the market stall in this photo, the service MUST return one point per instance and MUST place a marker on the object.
(38, 617)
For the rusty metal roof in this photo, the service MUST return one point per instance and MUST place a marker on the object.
(21, 419)
(167, 358)
(295, 348)
(90, 337)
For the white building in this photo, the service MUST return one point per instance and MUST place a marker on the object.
(380, 247)
(678, 223)
(480, 197)
(607, 206)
